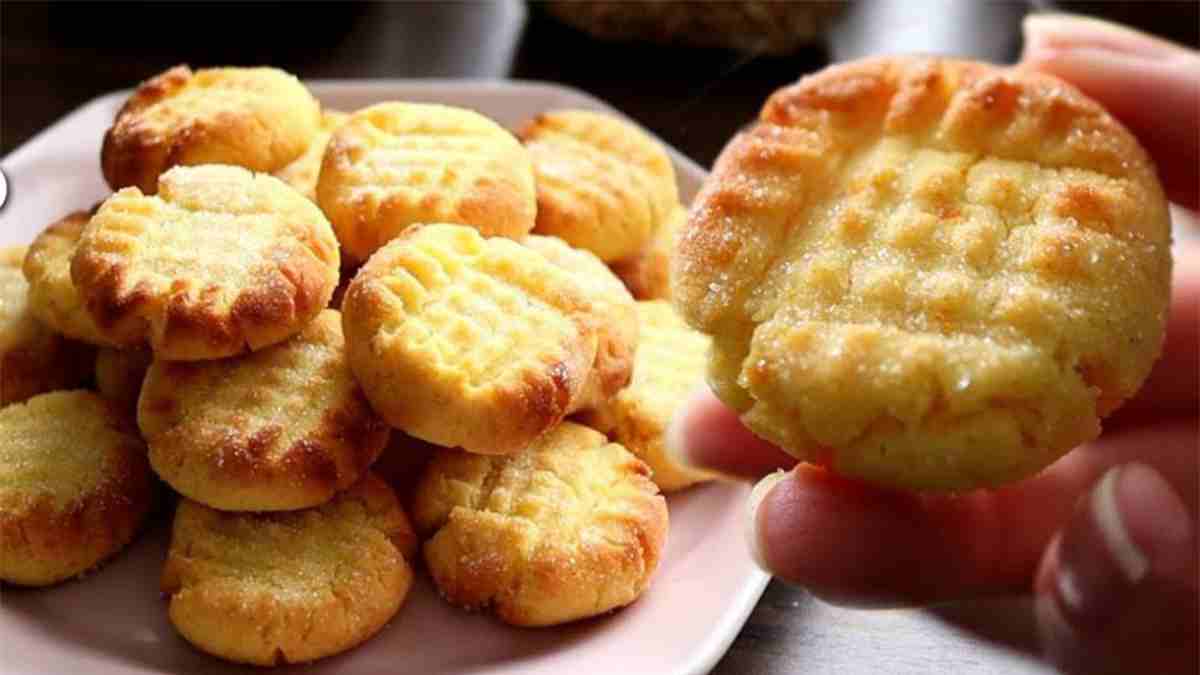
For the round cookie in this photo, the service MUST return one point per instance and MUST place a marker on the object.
(468, 342)
(614, 312)
(396, 164)
(33, 359)
(258, 118)
(219, 261)
(670, 365)
(648, 274)
(303, 172)
(926, 273)
(74, 486)
(603, 184)
(276, 588)
(120, 373)
(52, 295)
(283, 428)
(568, 528)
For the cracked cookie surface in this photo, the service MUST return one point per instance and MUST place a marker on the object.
(220, 261)
(283, 428)
(930, 274)
(568, 528)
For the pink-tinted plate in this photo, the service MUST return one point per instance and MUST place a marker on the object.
(114, 621)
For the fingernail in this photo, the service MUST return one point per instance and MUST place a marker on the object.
(1047, 34)
(1130, 521)
(754, 535)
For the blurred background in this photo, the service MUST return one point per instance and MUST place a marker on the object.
(691, 72)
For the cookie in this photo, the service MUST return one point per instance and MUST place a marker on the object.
(614, 312)
(670, 365)
(603, 184)
(276, 588)
(258, 118)
(468, 342)
(303, 172)
(283, 428)
(120, 373)
(74, 486)
(568, 528)
(927, 273)
(52, 295)
(395, 164)
(221, 260)
(648, 274)
(33, 359)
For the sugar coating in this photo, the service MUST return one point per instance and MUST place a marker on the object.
(568, 528)
(52, 295)
(270, 589)
(603, 184)
(931, 274)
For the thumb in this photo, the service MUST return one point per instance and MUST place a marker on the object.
(1117, 588)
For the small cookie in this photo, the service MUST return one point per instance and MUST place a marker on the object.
(468, 342)
(33, 359)
(258, 118)
(603, 184)
(568, 528)
(219, 261)
(614, 312)
(670, 365)
(282, 428)
(120, 373)
(648, 274)
(927, 273)
(303, 172)
(276, 588)
(52, 295)
(74, 486)
(396, 164)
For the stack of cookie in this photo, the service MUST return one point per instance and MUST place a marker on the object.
(273, 291)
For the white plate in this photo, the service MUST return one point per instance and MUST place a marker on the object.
(114, 620)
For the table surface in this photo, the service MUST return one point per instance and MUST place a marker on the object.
(54, 58)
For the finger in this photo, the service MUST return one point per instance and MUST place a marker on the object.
(1147, 83)
(855, 544)
(1116, 591)
(706, 434)
(1173, 386)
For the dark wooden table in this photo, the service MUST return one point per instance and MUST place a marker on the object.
(54, 58)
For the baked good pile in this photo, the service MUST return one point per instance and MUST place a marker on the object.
(277, 299)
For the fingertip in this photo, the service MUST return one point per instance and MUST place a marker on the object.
(706, 435)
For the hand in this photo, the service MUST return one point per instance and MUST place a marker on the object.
(1105, 537)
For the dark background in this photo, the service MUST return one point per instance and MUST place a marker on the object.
(54, 58)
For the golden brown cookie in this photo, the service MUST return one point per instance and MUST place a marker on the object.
(276, 588)
(303, 172)
(258, 118)
(52, 295)
(120, 373)
(74, 486)
(603, 184)
(928, 273)
(219, 261)
(396, 164)
(648, 274)
(568, 528)
(670, 365)
(468, 342)
(283, 428)
(33, 359)
(614, 312)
